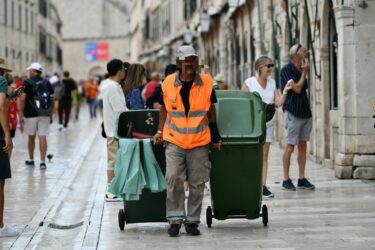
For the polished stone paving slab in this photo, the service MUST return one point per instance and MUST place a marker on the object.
(339, 214)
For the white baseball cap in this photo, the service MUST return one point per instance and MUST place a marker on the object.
(186, 51)
(35, 66)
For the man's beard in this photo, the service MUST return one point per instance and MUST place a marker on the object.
(188, 70)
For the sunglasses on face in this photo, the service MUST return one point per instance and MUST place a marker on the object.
(271, 65)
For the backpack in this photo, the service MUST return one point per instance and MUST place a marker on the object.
(42, 94)
(59, 90)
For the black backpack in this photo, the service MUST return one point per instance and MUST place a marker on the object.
(42, 93)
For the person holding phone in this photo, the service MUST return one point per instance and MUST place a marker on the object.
(297, 115)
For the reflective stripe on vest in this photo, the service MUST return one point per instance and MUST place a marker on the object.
(190, 131)
(177, 114)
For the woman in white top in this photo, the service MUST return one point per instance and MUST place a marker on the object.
(266, 87)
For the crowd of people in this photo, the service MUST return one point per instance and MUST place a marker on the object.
(31, 103)
(186, 91)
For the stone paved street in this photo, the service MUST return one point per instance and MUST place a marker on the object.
(63, 207)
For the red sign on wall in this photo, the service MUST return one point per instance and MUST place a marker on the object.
(102, 51)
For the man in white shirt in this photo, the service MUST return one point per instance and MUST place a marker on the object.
(113, 105)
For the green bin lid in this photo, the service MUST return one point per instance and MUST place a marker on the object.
(240, 114)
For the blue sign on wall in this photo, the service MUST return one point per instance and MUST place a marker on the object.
(90, 51)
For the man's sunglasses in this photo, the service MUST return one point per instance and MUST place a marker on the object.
(271, 65)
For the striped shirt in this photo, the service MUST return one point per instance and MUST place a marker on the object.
(297, 104)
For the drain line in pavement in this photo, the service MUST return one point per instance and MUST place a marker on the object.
(65, 227)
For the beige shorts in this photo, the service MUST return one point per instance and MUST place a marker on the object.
(37, 125)
(112, 147)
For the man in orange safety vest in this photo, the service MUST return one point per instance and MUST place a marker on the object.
(187, 125)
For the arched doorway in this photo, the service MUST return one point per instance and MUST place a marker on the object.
(96, 71)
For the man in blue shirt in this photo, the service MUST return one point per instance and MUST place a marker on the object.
(297, 115)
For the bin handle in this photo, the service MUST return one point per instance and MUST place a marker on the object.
(241, 143)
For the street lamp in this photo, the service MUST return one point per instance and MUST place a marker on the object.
(188, 35)
(205, 21)
(233, 3)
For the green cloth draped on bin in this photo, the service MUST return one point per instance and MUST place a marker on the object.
(135, 171)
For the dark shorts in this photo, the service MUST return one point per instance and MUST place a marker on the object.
(12, 133)
(4, 162)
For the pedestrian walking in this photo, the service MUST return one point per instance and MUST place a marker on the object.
(153, 101)
(150, 87)
(91, 92)
(6, 146)
(78, 98)
(219, 80)
(55, 82)
(113, 104)
(65, 106)
(102, 84)
(54, 79)
(297, 114)
(36, 107)
(59, 92)
(135, 79)
(187, 125)
(263, 84)
(12, 104)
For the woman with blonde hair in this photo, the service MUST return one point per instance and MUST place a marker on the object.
(135, 78)
(266, 87)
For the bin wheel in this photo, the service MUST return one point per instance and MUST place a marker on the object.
(121, 219)
(209, 216)
(265, 215)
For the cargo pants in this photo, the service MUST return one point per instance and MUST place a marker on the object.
(182, 164)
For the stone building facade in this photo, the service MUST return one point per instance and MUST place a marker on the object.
(338, 33)
(90, 26)
(30, 31)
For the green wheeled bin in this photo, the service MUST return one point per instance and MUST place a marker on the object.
(150, 207)
(237, 170)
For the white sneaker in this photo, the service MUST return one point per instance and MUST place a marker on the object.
(7, 231)
(111, 197)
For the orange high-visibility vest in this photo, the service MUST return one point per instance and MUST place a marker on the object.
(189, 131)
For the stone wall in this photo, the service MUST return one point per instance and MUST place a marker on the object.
(80, 68)
(19, 43)
(343, 132)
(94, 21)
